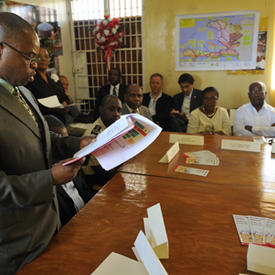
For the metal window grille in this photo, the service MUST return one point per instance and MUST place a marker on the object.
(128, 59)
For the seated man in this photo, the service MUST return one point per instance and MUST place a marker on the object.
(132, 102)
(256, 118)
(184, 103)
(115, 87)
(159, 103)
(73, 195)
(109, 111)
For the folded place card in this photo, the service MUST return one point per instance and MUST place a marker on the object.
(273, 148)
(261, 259)
(241, 145)
(155, 231)
(170, 154)
(186, 139)
(148, 262)
(117, 264)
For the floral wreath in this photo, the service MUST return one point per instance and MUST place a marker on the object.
(108, 37)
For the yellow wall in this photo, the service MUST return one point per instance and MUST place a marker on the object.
(159, 46)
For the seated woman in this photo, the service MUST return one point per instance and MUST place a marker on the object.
(44, 86)
(209, 118)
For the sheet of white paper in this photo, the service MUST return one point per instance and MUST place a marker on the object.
(241, 145)
(261, 259)
(156, 225)
(117, 264)
(50, 102)
(146, 227)
(186, 139)
(148, 256)
(123, 148)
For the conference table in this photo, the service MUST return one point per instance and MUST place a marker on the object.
(197, 213)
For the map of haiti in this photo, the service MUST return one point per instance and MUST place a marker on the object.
(218, 42)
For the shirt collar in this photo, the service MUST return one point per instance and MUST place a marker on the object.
(131, 110)
(190, 95)
(159, 96)
(263, 107)
(6, 85)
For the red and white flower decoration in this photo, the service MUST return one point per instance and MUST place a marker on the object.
(108, 36)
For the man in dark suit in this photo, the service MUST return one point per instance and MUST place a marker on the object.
(184, 103)
(133, 100)
(159, 103)
(115, 87)
(28, 206)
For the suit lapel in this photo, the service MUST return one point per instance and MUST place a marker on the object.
(30, 99)
(16, 109)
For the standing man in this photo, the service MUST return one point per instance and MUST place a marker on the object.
(28, 206)
(133, 100)
(184, 103)
(256, 118)
(159, 103)
(115, 87)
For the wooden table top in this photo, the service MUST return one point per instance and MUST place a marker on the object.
(236, 167)
(198, 217)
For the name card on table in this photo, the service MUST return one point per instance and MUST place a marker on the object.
(261, 259)
(170, 154)
(241, 145)
(273, 148)
(155, 231)
(148, 263)
(186, 139)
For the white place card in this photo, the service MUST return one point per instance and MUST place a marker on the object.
(261, 259)
(155, 231)
(170, 154)
(186, 139)
(148, 256)
(117, 264)
(273, 148)
(241, 145)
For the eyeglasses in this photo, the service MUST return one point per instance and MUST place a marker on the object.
(32, 60)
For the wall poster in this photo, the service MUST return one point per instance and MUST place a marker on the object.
(217, 41)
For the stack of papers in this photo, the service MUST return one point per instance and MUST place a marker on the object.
(203, 157)
(255, 230)
(121, 141)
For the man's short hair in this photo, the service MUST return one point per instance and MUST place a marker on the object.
(12, 27)
(115, 69)
(210, 89)
(156, 75)
(250, 89)
(107, 98)
(186, 78)
(129, 88)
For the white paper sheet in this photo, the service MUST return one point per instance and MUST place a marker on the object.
(121, 141)
(50, 102)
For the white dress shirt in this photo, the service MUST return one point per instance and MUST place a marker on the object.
(71, 190)
(260, 121)
(186, 104)
(153, 103)
(117, 89)
(200, 122)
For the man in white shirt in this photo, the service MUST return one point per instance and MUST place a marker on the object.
(256, 118)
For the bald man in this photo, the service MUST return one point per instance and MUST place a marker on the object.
(256, 118)
(28, 206)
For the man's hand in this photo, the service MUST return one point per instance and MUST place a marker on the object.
(248, 128)
(64, 174)
(174, 113)
(87, 140)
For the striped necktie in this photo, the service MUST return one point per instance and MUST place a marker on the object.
(18, 95)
